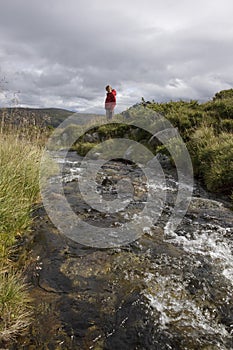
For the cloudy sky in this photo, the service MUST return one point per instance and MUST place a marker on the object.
(62, 53)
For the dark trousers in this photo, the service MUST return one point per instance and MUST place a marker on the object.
(109, 113)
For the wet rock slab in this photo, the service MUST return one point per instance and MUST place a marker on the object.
(159, 292)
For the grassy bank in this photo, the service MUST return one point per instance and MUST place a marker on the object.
(206, 128)
(212, 156)
(19, 189)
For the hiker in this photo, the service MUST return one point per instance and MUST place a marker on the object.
(110, 102)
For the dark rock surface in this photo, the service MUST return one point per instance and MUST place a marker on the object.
(158, 292)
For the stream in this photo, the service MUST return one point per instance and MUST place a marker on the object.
(162, 291)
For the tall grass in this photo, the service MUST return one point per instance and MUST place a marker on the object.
(19, 185)
(19, 190)
(213, 158)
(15, 307)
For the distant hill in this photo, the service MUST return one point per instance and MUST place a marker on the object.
(50, 117)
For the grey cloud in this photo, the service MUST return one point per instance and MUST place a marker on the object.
(64, 53)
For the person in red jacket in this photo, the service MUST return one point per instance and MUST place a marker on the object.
(110, 101)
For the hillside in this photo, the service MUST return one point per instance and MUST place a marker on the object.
(38, 116)
(206, 128)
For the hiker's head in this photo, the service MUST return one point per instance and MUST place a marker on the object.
(108, 88)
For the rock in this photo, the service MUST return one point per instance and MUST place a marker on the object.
(96, 136)
(165, 290)
(154, 142)
(88, 138)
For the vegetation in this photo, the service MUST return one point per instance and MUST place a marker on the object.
(206, 128)
(14, 305)
(19, 190)
(43, 117)
(84, 147)
(213, 158)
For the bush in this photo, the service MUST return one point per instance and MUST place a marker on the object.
(183, 115)
(113, 130)
(222, 108)
(224, 94)
(227, 125)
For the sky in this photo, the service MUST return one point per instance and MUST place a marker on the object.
(62, 53)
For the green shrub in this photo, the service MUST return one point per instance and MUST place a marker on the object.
(113, 130)
(224, 94)
(226, 125)
(222, 108)
(183, 115)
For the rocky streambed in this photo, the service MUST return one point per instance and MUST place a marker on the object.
(161, 291)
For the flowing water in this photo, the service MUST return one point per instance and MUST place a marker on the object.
(166, 290)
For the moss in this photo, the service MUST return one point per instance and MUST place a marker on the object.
(113, 130)
(83, 148)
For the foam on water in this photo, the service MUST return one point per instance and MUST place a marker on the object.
(166, 292)
(175, 307)
(213, 243)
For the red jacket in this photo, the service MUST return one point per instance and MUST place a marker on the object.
(110, 101)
